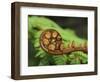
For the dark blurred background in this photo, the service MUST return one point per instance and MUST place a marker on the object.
(78, 24)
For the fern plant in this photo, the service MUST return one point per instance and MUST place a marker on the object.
(38, 57)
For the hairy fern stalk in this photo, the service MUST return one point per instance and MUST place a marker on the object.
(38, 57)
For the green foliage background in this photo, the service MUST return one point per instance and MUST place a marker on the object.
(38, 57)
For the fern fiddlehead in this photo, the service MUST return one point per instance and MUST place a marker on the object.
(51, 42)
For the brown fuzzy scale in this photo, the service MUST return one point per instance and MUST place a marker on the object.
(51, 42)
